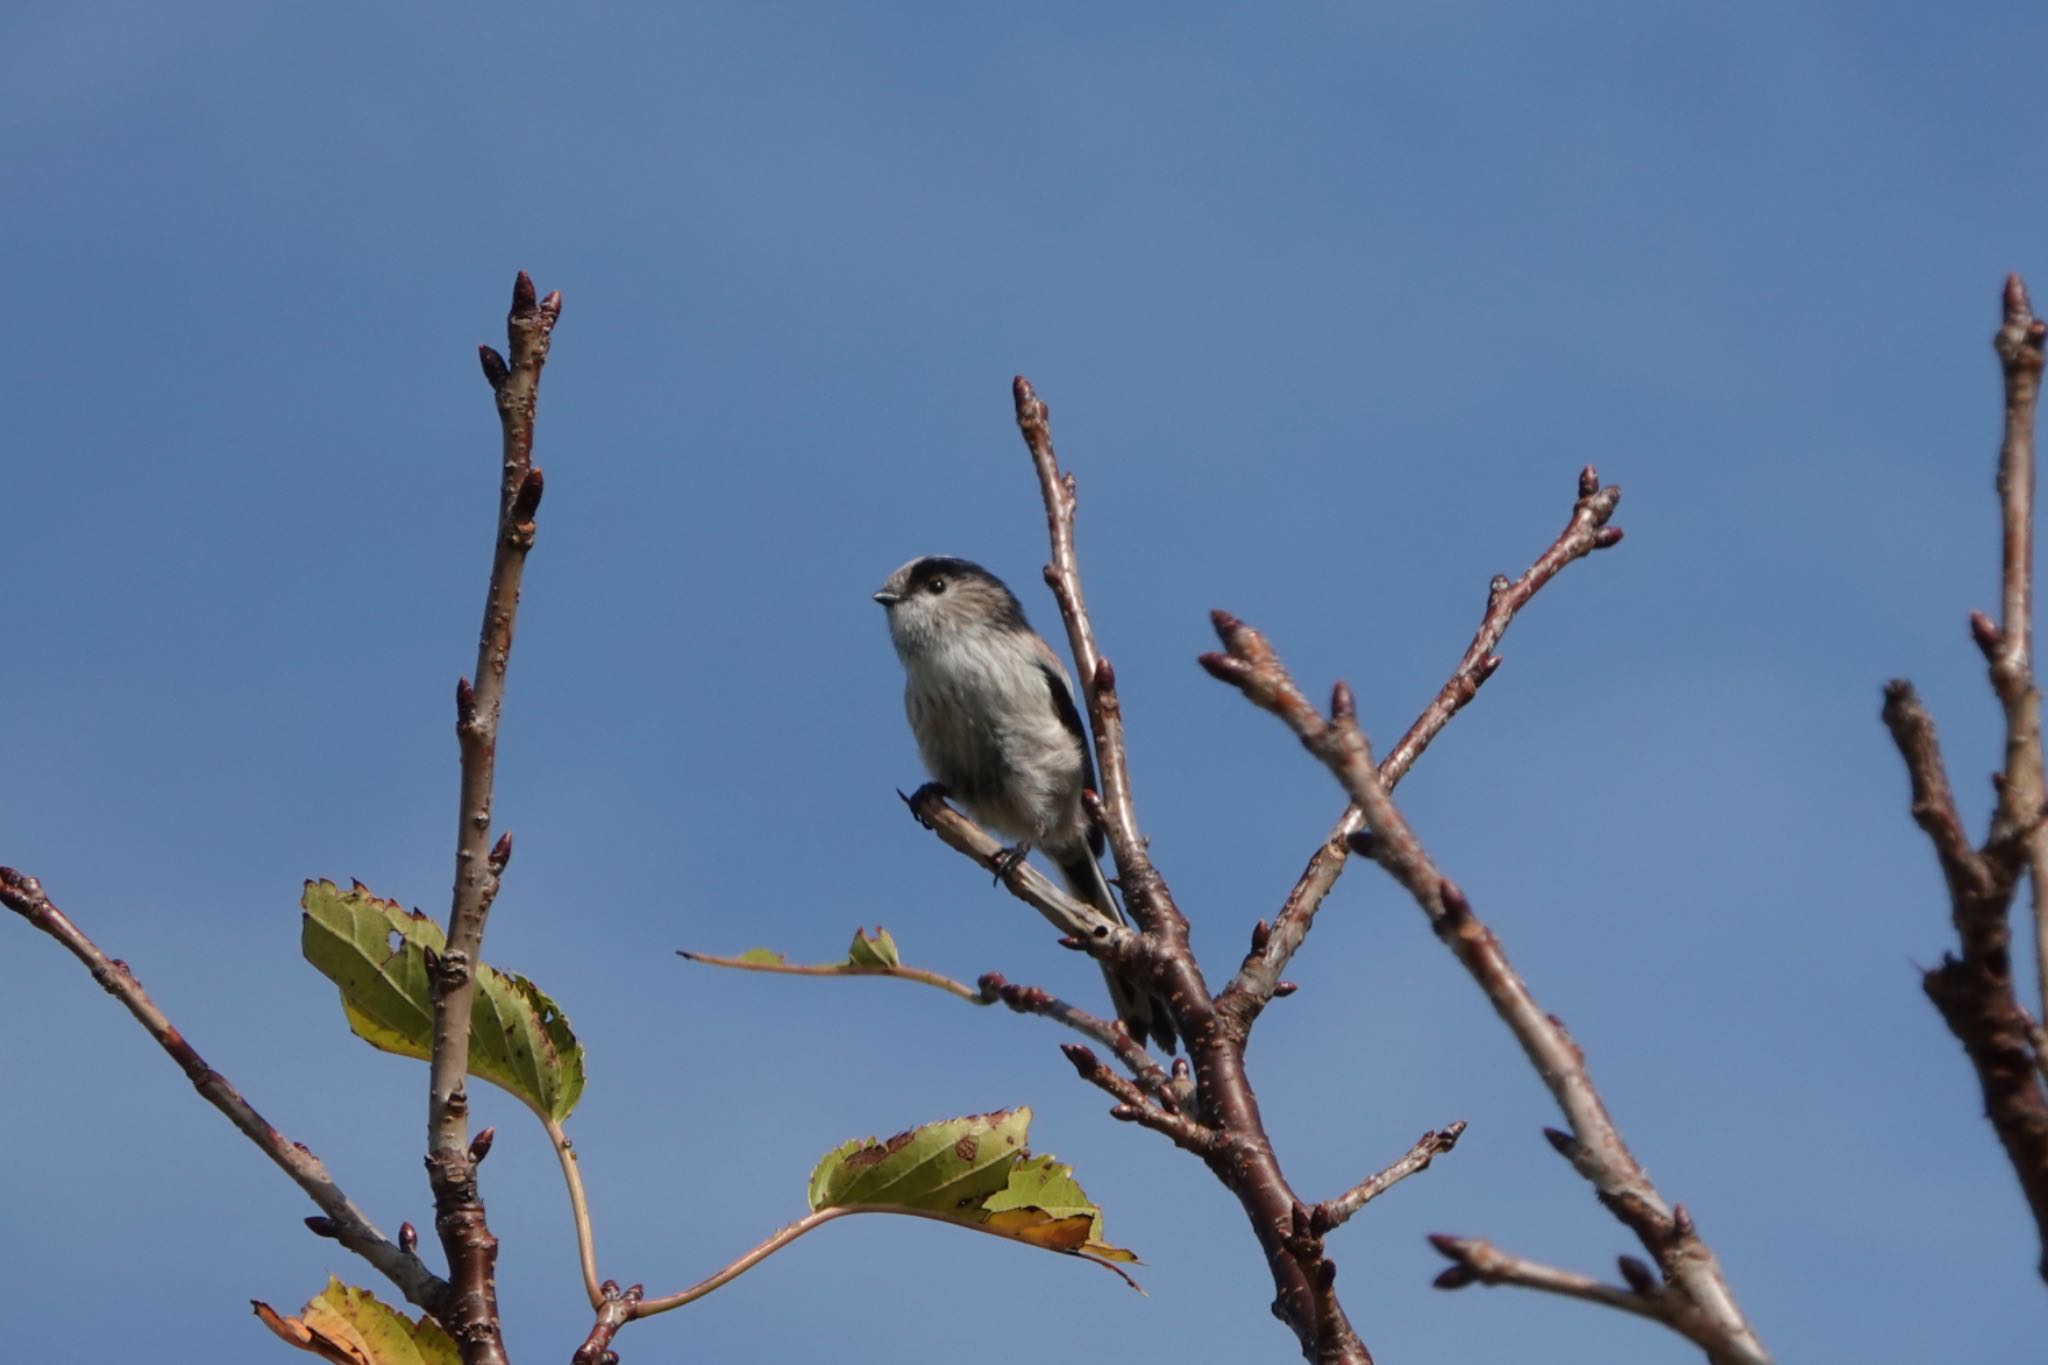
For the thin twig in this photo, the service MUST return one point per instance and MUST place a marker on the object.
(1596, 1146)
(466, 1237)
(1975, 992)
(1150, 1076)
(346, 1223)
(1476, 1261)
(1133, 1105)
(782, 1237)
(1334, 1213)
(920, 975)
(1587, 530)
(579, 1208)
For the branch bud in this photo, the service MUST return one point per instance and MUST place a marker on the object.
(1681, 1222)
(1319, 1220)
(1124, 1113)
(408, 1238)
(1105, 676)
(1343, 706)
(1986, 633)
(1084, 1060)
(501, 852)
(1283, 989)
(1564, 1143)
(465, 702)
(1071, 943)
(1607, 537)
(323, 1226)
(1486, 668)
(527, 500)
(1454, 899)
(1589, 481)
(1637, 1274)
(1223, 668)
(495, 370)
(1364, 843)
(480, 1145)
(1497, 585)
(1326, 1273)
(523, 300)
(1457, 1277)
(1262, 933)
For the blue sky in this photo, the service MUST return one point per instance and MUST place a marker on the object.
(1330, 303)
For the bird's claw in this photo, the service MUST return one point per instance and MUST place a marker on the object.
(1007, 861)
(930, 791)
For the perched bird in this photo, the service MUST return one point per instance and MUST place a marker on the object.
(997, 728)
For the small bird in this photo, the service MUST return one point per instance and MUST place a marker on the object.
(997, 728)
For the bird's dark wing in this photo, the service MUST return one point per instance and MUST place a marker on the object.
(1070, 717)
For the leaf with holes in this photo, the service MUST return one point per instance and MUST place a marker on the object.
(975, 1172)
(353, 1327)
(376, 951)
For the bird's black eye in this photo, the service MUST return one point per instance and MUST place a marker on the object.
(935, 586)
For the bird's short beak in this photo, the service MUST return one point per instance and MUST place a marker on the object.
(887, 598)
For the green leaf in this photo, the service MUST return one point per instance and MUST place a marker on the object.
(762, 957)
(975, 1172)
(878, 951)
(375, 951)
(352, 1327)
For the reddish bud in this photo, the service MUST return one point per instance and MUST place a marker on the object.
(1283, 989)
(1105, 676)
(1607, 537)
(1227, 626)
(551, 306)
(1454, 899)
(1343, 706)
(1589, 481)
(527, 500)
(1326, 1273)
(1637, 1274)
(1497, 585)
(1456, 1277)
(465, 701)
(480, 1145)
(523, 301)
(1447, 1245)
(1072, 944)
(501, 852)
(495, 369)
(1986, 633)
(1084, 1060)
(1564, 1143)
(1319, 1220)
(408, 1237)
(1681, 1222)
(323, 1226)
(1487, 666)
(1262, 933)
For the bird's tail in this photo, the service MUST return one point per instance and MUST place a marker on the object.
(1144, 1014)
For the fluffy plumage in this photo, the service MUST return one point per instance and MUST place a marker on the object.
(996, 725)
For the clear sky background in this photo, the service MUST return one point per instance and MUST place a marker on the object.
(1330, 302)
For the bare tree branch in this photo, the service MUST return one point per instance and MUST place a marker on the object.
(1586, 531)
(1975, 992)
(1334, 1213)
(471, 1315)
(1242, 1155)
(1596, 1147)
(344, 1222)
(990, 989)
(1476, 1261)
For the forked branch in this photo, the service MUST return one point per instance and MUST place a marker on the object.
(1973, 988)
(342, 1220)
(1595, 1145)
